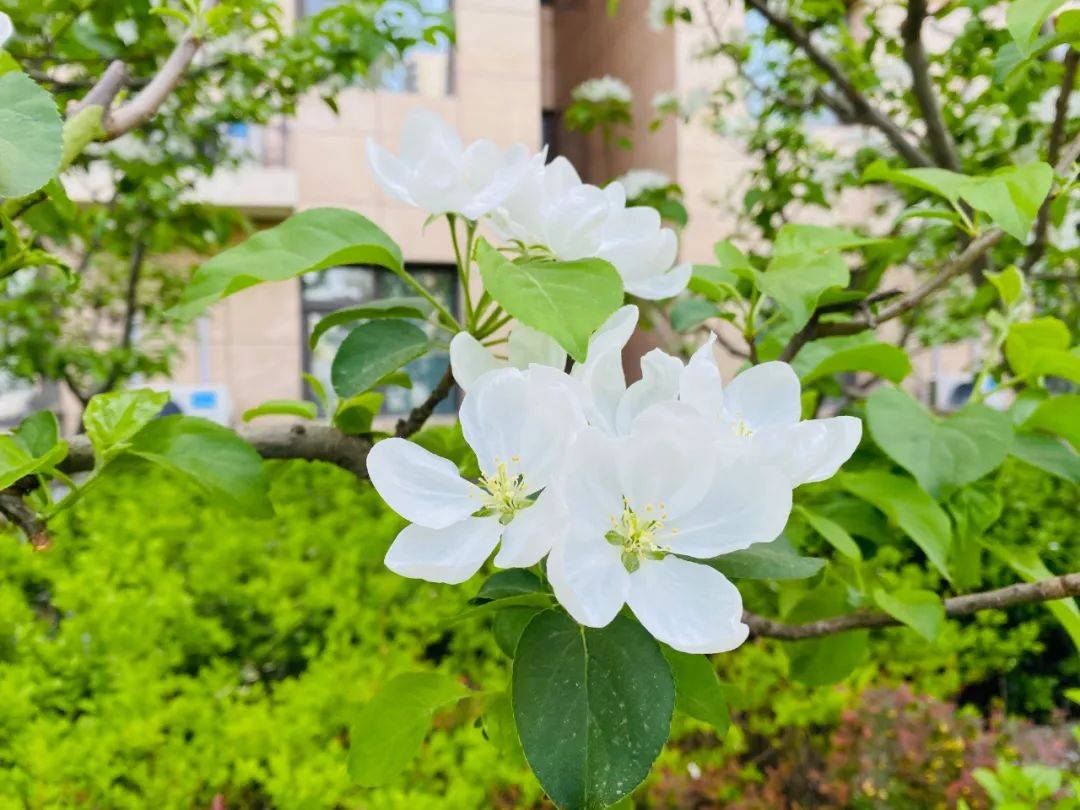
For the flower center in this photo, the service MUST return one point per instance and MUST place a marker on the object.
(506, 494)
(635, 533)
(740, 427)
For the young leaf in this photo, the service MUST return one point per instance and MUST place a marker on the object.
(920, 610)
(592, 706)
(1024, 18)
(391, 727)
(698, 692)
(115, 417)
(690, 313)
(1009, 283)
(1027, 339)
(775, 560)
(373, 350)
(282, 407)
(909, 507)
(31, 135)
(212, 456)
(795, 281)
(39, 433)
(797, 238)
(940, 453)
(403, 307)
(567, 300)
(1058, 415)
(28, 451)
(356, 414)
(512, 582)
(883, 359)
(311, 240)
(1049, 454)
(834, 534)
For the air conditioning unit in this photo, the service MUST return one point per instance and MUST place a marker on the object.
(952, 392)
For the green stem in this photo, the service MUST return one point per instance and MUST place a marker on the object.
(463, 265)
(405, 276)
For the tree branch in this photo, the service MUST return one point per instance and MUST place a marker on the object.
(941, 145)
(1037, 247)
(415, 420)
(14, 508)
(1045, 590)
(862, 110)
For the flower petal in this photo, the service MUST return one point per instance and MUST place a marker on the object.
(689, 606)
(615, 332)
(664, 285)
(700, 384)
(809, 451)
(389, 171)
(746, 504)
(533, 532)
(589, 580)
(470, 360)
(528, 346)
(763, 395)
(420, 486)
(451, 554)
(659, 382)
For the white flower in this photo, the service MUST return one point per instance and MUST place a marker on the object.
(437, 173)
(519, 424)
(665, 101)
(636, 506)
(470, 359)
(6, 28)
(638, 181)
(760, 411)
(642, 250)
(606, 88)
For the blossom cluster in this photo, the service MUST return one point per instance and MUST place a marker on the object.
(541, 209)
(620, 487)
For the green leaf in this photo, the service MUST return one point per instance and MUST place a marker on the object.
(1027, 339)
(907, 506)
(690, 313)
(79, 131)
(1058, 415)
(512, 582)
(698, 692)
(33, 447)
(940, 453)
(922, 611)
(567, 300)
(38, 433)
(391, 727)
(311, 240)
(373, 350)
(775, 560)
(499, 727)
(540, 601)
(835, 534)
(508, 625)
(974, 509)
(113, 418)
(1049, 454)
(714, 283)
(796, 238)
(355, 415)
(1009, 283)
(796, 281)
(31, 139)
(883, 359)
(827, 660)
(402, 307)
(592, 706)
(212, 456)
(1024, 18)
(282, 407)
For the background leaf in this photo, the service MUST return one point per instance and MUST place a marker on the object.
(373, 350)
(31, 135)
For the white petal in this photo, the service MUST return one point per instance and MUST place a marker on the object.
(389, 171)
(615, 332)
(470, 360)
(664, 285)
(589, 580)
(590, 487)
(661, 465)
(660, 373)
(809, 451)
(420, 486)
(451, 554)
(746, 504)
(6, 27)
(766, 394)
(573, 229)
(425, 132)
(528, 345)
(688, 606)
(604, 384)
(700, 384)
(533, 532)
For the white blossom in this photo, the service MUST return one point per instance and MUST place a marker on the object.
(470, 359)
(6, 28)
(604, 89)
(437, 173)
(639, 181)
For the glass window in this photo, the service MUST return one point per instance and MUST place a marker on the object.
(334, 288)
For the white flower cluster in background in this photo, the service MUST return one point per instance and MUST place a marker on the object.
(621, 487)
(604, 89)
(6, 28)
(543, 208)
(640, 181)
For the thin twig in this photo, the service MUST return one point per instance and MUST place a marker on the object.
(1046, 590)
(415, 420)
(941, 145)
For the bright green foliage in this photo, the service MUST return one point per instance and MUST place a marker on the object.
(593, 707)
(282, 407)
(400, 307)
(33, 447)
(826, 660)
(698, 692)
(567, 300)
(30, 136)
(823, 358)
(920, 610)
(112, 419)
(373, 350)
(775, 560)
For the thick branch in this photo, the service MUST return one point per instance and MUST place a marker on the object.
(941, 145)
(420, 414)
(863, 111)
(1023, 594)
(14, 508)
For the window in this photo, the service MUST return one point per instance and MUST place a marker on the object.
(426, 68)
(334, 288)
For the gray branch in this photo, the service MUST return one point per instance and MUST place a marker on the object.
(941, 145)
(1046, 590)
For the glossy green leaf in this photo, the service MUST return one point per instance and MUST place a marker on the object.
(827, 660)
(566, 300)
(775, 560)
(355, 415)
(940, 453)
(883, 359)
(835, 534)
(311, 240)
(403, 307)
(511, 582)
(1049, 454)
(39, 433)
(282, 407)
(215, 458)
(371, 351)
(908, 506)
(796, 281)
(921, 610)
(31, 135)
(390, 728)
(115, 417)
(1059, 416)
(592, 706)
(698, 692)
(27, 451)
